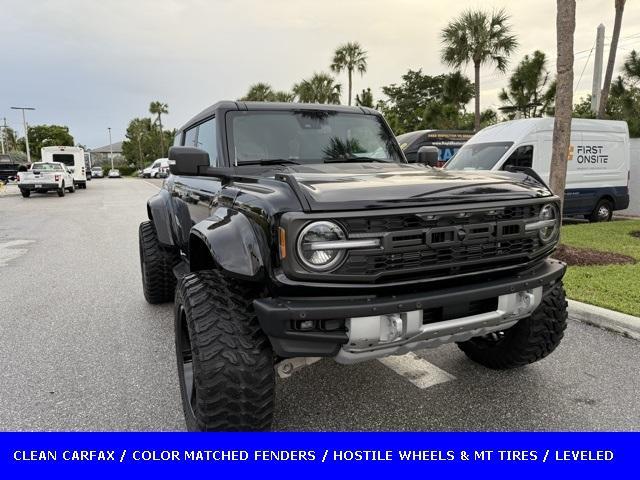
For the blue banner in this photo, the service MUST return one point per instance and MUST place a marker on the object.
(319, 455)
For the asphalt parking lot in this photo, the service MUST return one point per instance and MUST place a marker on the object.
(82, 350)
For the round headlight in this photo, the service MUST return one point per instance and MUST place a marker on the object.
(310, 250)
(549, 212)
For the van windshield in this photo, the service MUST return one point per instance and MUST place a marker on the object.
(478, 156)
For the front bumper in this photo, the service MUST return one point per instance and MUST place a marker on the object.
(443, 315)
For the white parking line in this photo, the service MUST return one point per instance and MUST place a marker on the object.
(418, 371)
(152, 184)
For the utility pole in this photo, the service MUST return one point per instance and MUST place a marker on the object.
(110, 147)
(597, 70)
(26, 129)
(2, 133)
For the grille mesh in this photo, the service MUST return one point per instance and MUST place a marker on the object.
(408, 253)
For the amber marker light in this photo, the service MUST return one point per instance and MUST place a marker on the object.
(282, 237)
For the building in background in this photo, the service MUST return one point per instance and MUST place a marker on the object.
(100, 155)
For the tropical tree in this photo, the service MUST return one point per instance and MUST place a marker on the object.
(425, 101)
(457, 90)
(530, 92)
(365, 99)
(283, 96)
(350, 57)
(479, 38)
(617, 25)
(158, 109)
(263, 92)
(46, 136)
(258, 92)
(565, 27)
(320, 88)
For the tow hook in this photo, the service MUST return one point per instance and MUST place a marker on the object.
(286, 367)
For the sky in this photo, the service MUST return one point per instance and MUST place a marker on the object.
(93, 64)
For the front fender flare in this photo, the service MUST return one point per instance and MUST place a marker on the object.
(159, 211)
(232, 242)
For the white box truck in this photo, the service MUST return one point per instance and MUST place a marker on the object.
(598, 164)
(72, 157)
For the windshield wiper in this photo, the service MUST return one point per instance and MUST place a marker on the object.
(356, 159)
(270, 161)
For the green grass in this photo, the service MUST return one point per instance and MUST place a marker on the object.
(616, 287)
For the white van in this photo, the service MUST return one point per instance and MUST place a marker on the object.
(598, 165)
(72, 157)
(156, 169)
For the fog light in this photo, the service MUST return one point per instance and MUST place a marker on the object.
(306, 325)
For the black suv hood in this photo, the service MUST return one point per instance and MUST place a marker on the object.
(348, 186)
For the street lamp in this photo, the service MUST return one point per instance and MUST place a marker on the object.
(110, 147)
(26, 131)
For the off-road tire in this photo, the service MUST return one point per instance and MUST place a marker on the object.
(604, 205)
(528, 341)
(61, 190)
(72, 189)
(156, 266)
(232, 360)
(25, 193)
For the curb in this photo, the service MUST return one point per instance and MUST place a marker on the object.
(616, 322)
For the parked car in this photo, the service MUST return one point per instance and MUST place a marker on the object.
(43, 177)
(448, 142)
(114, 173)
(72, 157)
(298, 231)
(157, 169)
(597, 170)
(97, 172)
(8, 168)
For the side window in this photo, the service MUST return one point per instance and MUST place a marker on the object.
(190, 137)
(521, 157)
(207, 140)
(177, 139)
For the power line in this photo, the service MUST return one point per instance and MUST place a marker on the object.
(584, 68)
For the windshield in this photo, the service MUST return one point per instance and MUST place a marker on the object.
(96, 169)
(478, 156)
(308, 137)
(66, 158)
(47, 167)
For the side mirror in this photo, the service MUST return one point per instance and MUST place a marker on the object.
(187, 160)
(428, 155)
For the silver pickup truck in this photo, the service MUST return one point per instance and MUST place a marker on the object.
(44, 177)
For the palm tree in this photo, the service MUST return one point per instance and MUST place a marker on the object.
(478, 37)
(283, 96)
(529, 92)
(617, 24)
(565, 26)
(259, 92)
(158, 109)
(320, 88)
(350, 57)
(365, 99)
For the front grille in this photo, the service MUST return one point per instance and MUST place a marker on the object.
(425, 245)
(434, 259)
(410, 221)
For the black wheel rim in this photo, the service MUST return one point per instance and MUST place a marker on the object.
(186, 361)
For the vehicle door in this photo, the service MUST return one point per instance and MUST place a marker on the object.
(195, 196)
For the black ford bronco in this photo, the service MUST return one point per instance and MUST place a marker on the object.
(288, 232)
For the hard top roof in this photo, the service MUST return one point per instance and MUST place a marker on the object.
(227, 105)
